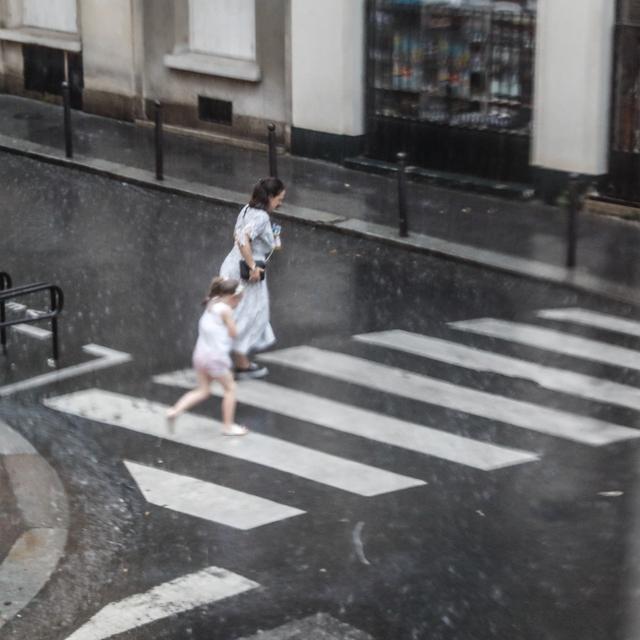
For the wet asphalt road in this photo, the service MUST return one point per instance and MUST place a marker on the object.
(529, 552)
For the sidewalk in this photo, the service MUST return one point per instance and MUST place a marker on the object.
(526, 238)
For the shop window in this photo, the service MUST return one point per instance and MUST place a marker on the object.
(223, 28)
(57, 15)
(462, 63)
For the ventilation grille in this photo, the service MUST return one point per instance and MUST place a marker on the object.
(213, 110)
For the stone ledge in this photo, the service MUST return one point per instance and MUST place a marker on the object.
(610, 208)
(43, 37)
(211, 65)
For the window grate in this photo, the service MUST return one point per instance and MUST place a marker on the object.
(214, 110)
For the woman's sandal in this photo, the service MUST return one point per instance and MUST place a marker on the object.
(235, 430)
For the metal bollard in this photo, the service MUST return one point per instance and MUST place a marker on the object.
(403, 226)
(66, 103)
(572, 219)
(273, 159)
(159, 141)
(55, 303)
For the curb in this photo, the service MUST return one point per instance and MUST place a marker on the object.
(513, 265)
(43, 505)
(509, 190)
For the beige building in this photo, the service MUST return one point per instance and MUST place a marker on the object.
(515, 90)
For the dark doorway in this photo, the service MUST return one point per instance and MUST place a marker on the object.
(624, 156)
(44, 72)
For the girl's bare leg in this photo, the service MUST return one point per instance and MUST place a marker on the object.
(229, 406)
(192, 398)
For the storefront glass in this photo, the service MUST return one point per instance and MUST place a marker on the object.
(456, 63)
(464, 62)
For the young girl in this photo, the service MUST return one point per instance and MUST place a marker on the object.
(211, 359)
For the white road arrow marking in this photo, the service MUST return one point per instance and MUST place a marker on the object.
(105, 358)
(207, 500)
(179, 595)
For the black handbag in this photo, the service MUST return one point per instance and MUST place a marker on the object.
(245, 271)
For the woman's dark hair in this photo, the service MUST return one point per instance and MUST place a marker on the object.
(221, 287)
(265, 189)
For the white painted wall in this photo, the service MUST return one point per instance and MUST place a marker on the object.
(574, 45)
(223, 27)
(327, 65)
(108, 46)
(60, 15)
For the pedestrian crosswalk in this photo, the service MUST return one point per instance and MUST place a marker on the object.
(593, 319)
(230, 507)
(413, 386)
(551, 340)
(207, 500)
(27, 329)
(204, 433)
(553, 378)
(366, 424)
(420, 437)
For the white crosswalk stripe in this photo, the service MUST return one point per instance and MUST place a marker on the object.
(196, 431)
(32, 331)
(366, 424)
(206, 500)
(556, 341)
(593, 319)
(551, 378)
(28, 329)
(388, 379)
(182, 594)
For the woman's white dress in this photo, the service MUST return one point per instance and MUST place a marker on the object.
(252, 314)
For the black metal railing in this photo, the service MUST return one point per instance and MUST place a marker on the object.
(9, 294)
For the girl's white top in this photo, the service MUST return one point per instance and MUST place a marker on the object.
(213, 335)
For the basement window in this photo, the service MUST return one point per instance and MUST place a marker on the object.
(213, 110)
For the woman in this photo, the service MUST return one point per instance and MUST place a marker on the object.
(254, 241)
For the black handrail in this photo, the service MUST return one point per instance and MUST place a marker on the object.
(56, 298)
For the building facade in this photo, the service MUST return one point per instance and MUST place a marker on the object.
(516, 91)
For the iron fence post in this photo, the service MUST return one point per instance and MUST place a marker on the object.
(159, 140)
(403, 226)
(572, 220)
(273, 160)
(66, 102)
